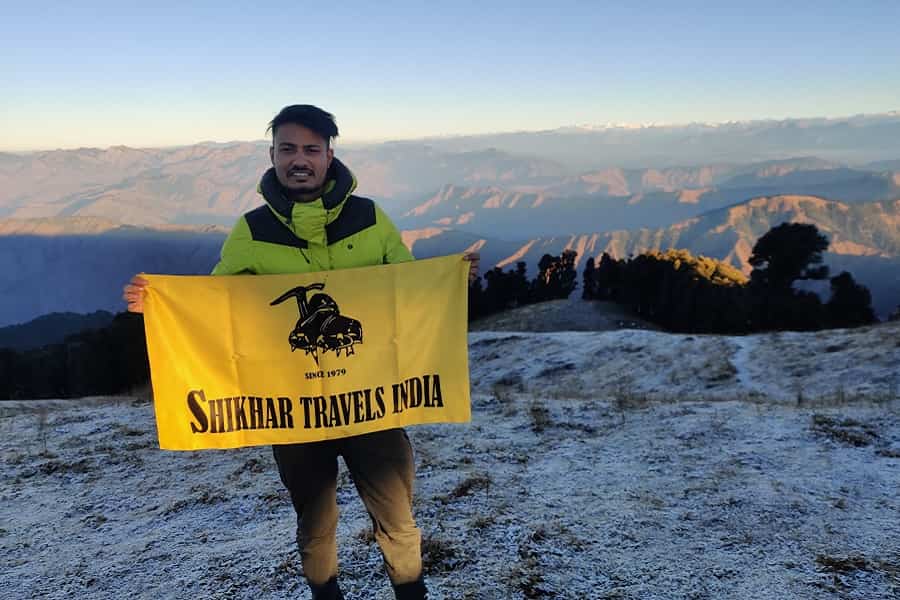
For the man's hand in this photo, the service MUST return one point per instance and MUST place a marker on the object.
(134, 293)
(473, 258)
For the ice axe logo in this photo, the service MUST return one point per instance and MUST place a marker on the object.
(321, 326)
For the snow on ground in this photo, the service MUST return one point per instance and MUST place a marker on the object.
(621, 464)
(775, 367)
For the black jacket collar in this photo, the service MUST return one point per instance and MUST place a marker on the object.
(273, 192)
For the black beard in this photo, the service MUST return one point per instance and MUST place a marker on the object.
(303, 195)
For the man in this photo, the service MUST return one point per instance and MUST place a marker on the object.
(311, 221)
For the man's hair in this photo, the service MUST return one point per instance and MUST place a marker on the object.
(309, 116)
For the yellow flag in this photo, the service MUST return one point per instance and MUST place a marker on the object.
(276, 359)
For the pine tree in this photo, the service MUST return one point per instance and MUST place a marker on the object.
(850, 304)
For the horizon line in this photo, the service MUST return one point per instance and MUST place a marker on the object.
(588, 127)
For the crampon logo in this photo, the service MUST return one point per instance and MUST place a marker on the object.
(321, 327)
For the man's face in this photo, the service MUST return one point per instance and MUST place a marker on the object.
(301, 158)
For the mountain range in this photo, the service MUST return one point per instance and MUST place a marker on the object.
(626, 199)
(84, 269)
(864, 239)
(76, 224)
(213, 183)
(856, 140)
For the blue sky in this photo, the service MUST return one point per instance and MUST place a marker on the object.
(156, 73)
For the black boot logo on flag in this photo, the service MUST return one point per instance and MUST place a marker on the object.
(321, 326)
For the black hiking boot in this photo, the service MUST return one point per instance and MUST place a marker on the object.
(414, 590)
(327, 591)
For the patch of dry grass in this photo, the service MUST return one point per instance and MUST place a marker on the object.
(540, 417)
(440, 556)
(717, 369)
(847, 565)
(142, 394)
(624, 399)
(570, 388)
(366, 535)
(845, 431)
(483, 521)
(201, 495)
(53, 467)
(251, 465)
(526, 575)
(481, 481)
(504, 395)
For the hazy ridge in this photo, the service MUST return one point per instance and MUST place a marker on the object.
(76, 224)
(87, 270)
(212, 183)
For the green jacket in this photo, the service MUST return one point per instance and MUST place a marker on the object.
(337, 231)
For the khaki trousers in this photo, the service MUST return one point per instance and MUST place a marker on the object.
(382, 469)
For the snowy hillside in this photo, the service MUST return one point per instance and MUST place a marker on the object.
(625, 464)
